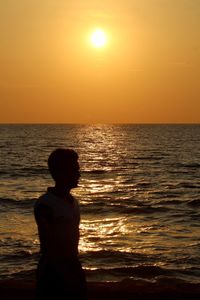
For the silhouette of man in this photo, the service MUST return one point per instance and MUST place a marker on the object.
(59, 273)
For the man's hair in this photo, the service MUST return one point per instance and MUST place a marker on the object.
(61, 160)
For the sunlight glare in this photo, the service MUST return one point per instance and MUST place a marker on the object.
(98, 38)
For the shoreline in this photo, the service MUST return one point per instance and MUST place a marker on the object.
(138, 290)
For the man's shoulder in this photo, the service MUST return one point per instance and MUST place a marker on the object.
(44, 202)
(43, 199)
(42, 207)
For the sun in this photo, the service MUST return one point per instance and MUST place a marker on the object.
(98, 38)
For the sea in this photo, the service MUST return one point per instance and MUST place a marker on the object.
(139, 196)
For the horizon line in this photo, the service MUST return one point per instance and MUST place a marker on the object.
(99, 123)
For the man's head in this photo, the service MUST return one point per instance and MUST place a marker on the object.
(64, 168)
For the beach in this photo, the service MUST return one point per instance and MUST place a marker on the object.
(18, 289)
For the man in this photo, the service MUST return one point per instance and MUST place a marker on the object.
(59, 273)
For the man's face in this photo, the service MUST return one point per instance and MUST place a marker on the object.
(75, 175)
(70, 174)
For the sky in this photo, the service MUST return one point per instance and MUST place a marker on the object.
(147, 72)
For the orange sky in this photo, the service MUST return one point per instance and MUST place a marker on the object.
(149, 71)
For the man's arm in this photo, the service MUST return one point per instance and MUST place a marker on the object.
(44, 219)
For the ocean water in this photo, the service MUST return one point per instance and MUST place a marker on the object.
(139, 195)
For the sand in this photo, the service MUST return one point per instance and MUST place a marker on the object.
(138, 290)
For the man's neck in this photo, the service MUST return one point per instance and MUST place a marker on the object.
(61, 191)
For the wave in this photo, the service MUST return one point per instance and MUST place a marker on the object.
(150, 272)
(114, 265)
(194, 203)
(188, 185)
(109, 254)
(23, 254)
(175, 188)
(123, 209)
(117, 258)
(171, 202)
(24, 172)
(189, 165)
(153, 157)
(96, 207)
(7, 202)
(143, 185)
(147, 209)
(96, 172)
(123, 264)
(20, 275)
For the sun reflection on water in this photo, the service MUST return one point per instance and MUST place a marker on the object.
(103, 233)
